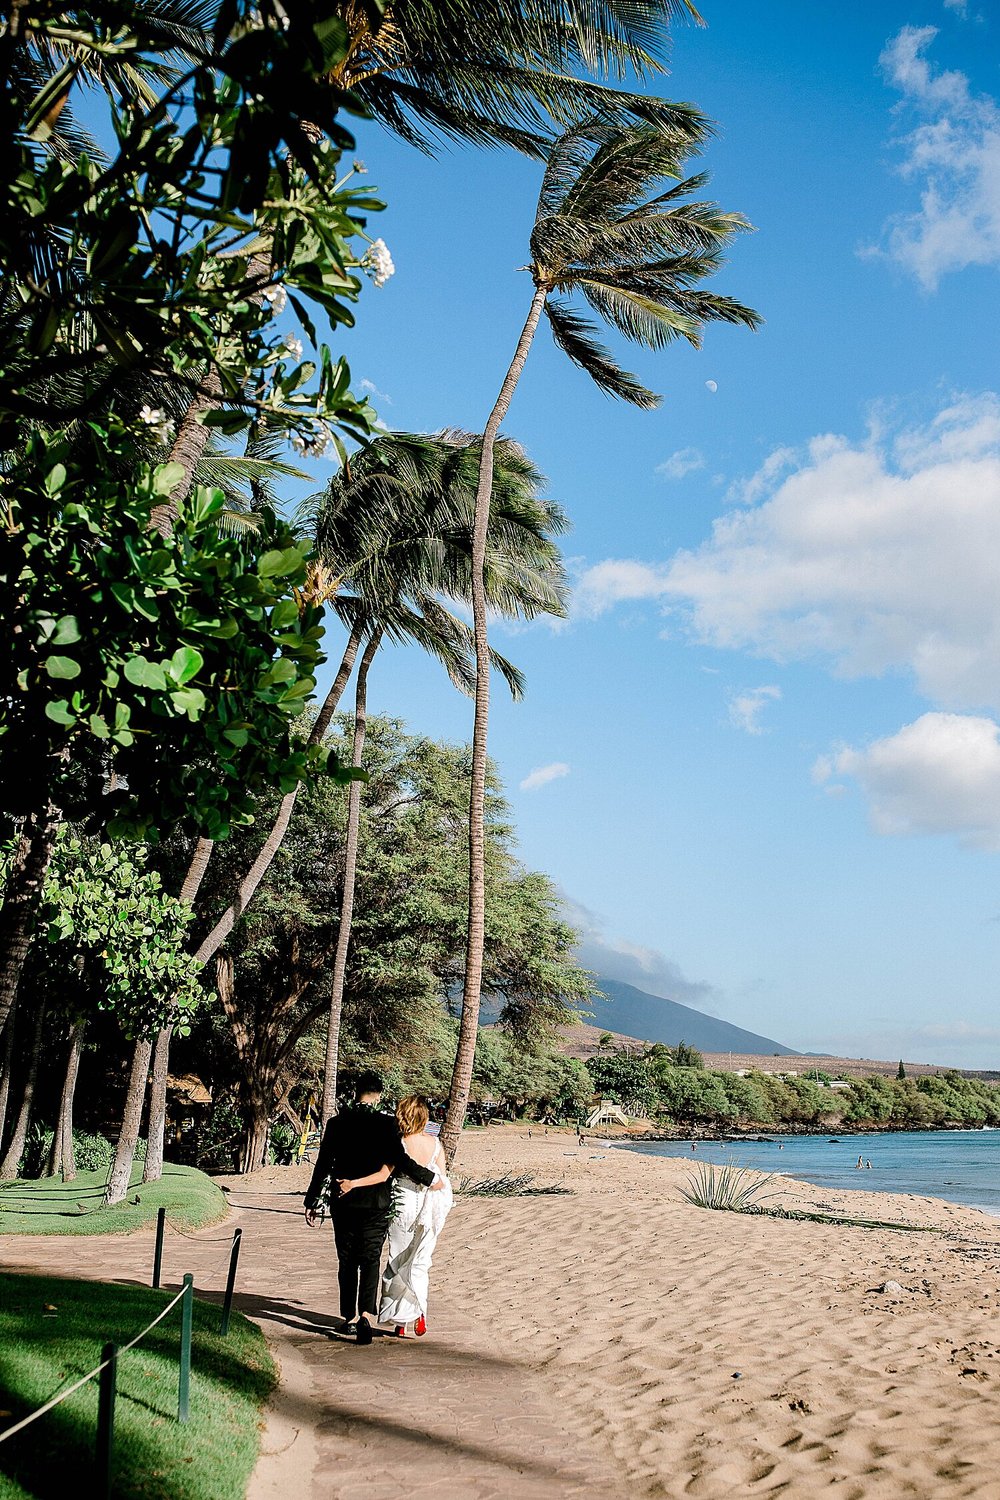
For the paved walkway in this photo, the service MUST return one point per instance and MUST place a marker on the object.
(449, 1416)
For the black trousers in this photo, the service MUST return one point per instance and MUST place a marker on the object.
(359, 1233)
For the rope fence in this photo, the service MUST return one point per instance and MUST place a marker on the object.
(107, 1370)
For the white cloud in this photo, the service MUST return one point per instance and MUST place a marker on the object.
(684, 461)
(878, 555)
(618, 958)
(615, 581)
(372, 389)
(542, 775)
(938, 775)
(954, 156)
(745, 708)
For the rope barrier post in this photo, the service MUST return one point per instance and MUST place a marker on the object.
(161, 1214)
(227, 1305)
(106, 1420)
(184, 1378)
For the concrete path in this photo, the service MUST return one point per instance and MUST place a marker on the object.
(453, 1415)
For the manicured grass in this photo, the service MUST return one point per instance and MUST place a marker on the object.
(52, 1331)
(50, 1206)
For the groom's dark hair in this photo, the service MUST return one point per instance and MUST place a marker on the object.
(368, 1082)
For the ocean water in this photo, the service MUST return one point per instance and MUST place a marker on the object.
(961, 1166)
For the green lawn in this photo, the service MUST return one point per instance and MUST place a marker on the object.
(49, 1206)
(52, 1331)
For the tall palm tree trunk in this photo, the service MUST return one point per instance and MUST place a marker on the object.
(461, 1078)
(329, 1106)
(15, 1147)
(22, 897)
(121, 1168)
(6, 1068)
(224, 926)
(153, 1167)
(62, 1158)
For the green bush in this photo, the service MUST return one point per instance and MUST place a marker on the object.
(93, 1153)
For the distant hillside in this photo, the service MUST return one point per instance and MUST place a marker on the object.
(654, 1019)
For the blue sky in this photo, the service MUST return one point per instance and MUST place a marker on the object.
(763, 757)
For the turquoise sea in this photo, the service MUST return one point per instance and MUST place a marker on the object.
(962, 1166)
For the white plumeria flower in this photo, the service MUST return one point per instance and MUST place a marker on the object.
(159, 424)
(378, 263)
(313, 444)
(276, 297)
(294, 346)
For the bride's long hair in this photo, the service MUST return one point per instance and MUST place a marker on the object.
(412, 1114)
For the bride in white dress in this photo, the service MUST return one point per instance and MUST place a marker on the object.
(418, 1216)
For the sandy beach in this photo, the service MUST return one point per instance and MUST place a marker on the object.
(614, 1341)
(713, 1354)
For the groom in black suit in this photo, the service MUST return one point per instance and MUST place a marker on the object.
(359, 1141)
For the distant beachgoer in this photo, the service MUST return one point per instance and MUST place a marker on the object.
(781, 1145)
(868, 1165)
(693, 1146)
(861, 1162)
(579, 1137)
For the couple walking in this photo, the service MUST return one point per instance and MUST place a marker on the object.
(360, 1150)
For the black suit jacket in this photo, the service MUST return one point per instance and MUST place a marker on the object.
(355, 1143)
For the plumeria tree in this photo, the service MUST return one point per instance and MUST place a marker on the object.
(171, 663)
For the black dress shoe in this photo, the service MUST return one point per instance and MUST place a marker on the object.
(364, 1331)
(346, 1327)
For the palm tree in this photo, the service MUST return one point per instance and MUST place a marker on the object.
(432, 482)
(637, 257)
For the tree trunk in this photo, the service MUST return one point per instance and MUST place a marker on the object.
(329, 1106)
(461, 1080)
(224, 926)
(6, 1068)
(22, 898)
(121, 1168)
(256, 1128)
(15, 1148)
(200, 857)
(188, 448)
(62, 1157)
(152, 1169)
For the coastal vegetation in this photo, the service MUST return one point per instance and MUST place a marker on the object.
(650, 1083)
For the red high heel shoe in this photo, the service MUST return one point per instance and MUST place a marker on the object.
(420, 1327)
(401, 1330)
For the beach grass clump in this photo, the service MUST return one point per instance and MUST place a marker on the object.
(731, 1188)
(738, 1190)
(47, 1205)
(508, 1185)
(52, 1331)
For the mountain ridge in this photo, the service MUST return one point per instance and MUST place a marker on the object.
(654, 1018)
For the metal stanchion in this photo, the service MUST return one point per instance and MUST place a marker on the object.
(106, 1420)
(184, 1377)
(227, 1304)
(161, 1214)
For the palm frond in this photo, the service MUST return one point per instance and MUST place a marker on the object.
(577, 339)
(640, 317)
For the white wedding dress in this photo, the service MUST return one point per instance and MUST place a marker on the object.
(417, 1220)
